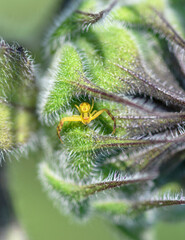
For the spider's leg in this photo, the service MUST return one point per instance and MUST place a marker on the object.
(75, 118)
(93, 113)
(109, 113)
(78, 108)
(92, 105)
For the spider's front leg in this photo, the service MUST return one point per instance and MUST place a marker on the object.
(109, 113)
(74, 118)
(93, 113)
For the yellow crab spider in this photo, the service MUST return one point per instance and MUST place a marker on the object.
(86, 116)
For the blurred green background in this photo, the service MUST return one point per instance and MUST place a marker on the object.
(27, 23)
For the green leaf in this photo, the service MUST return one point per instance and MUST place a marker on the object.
(121, 208)
(78, 192)
(148, 14)
(142, 124)
(17, 75)
(5, 127)
(127, 58)
(72, 22)
(63, 87)
(17, 96)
